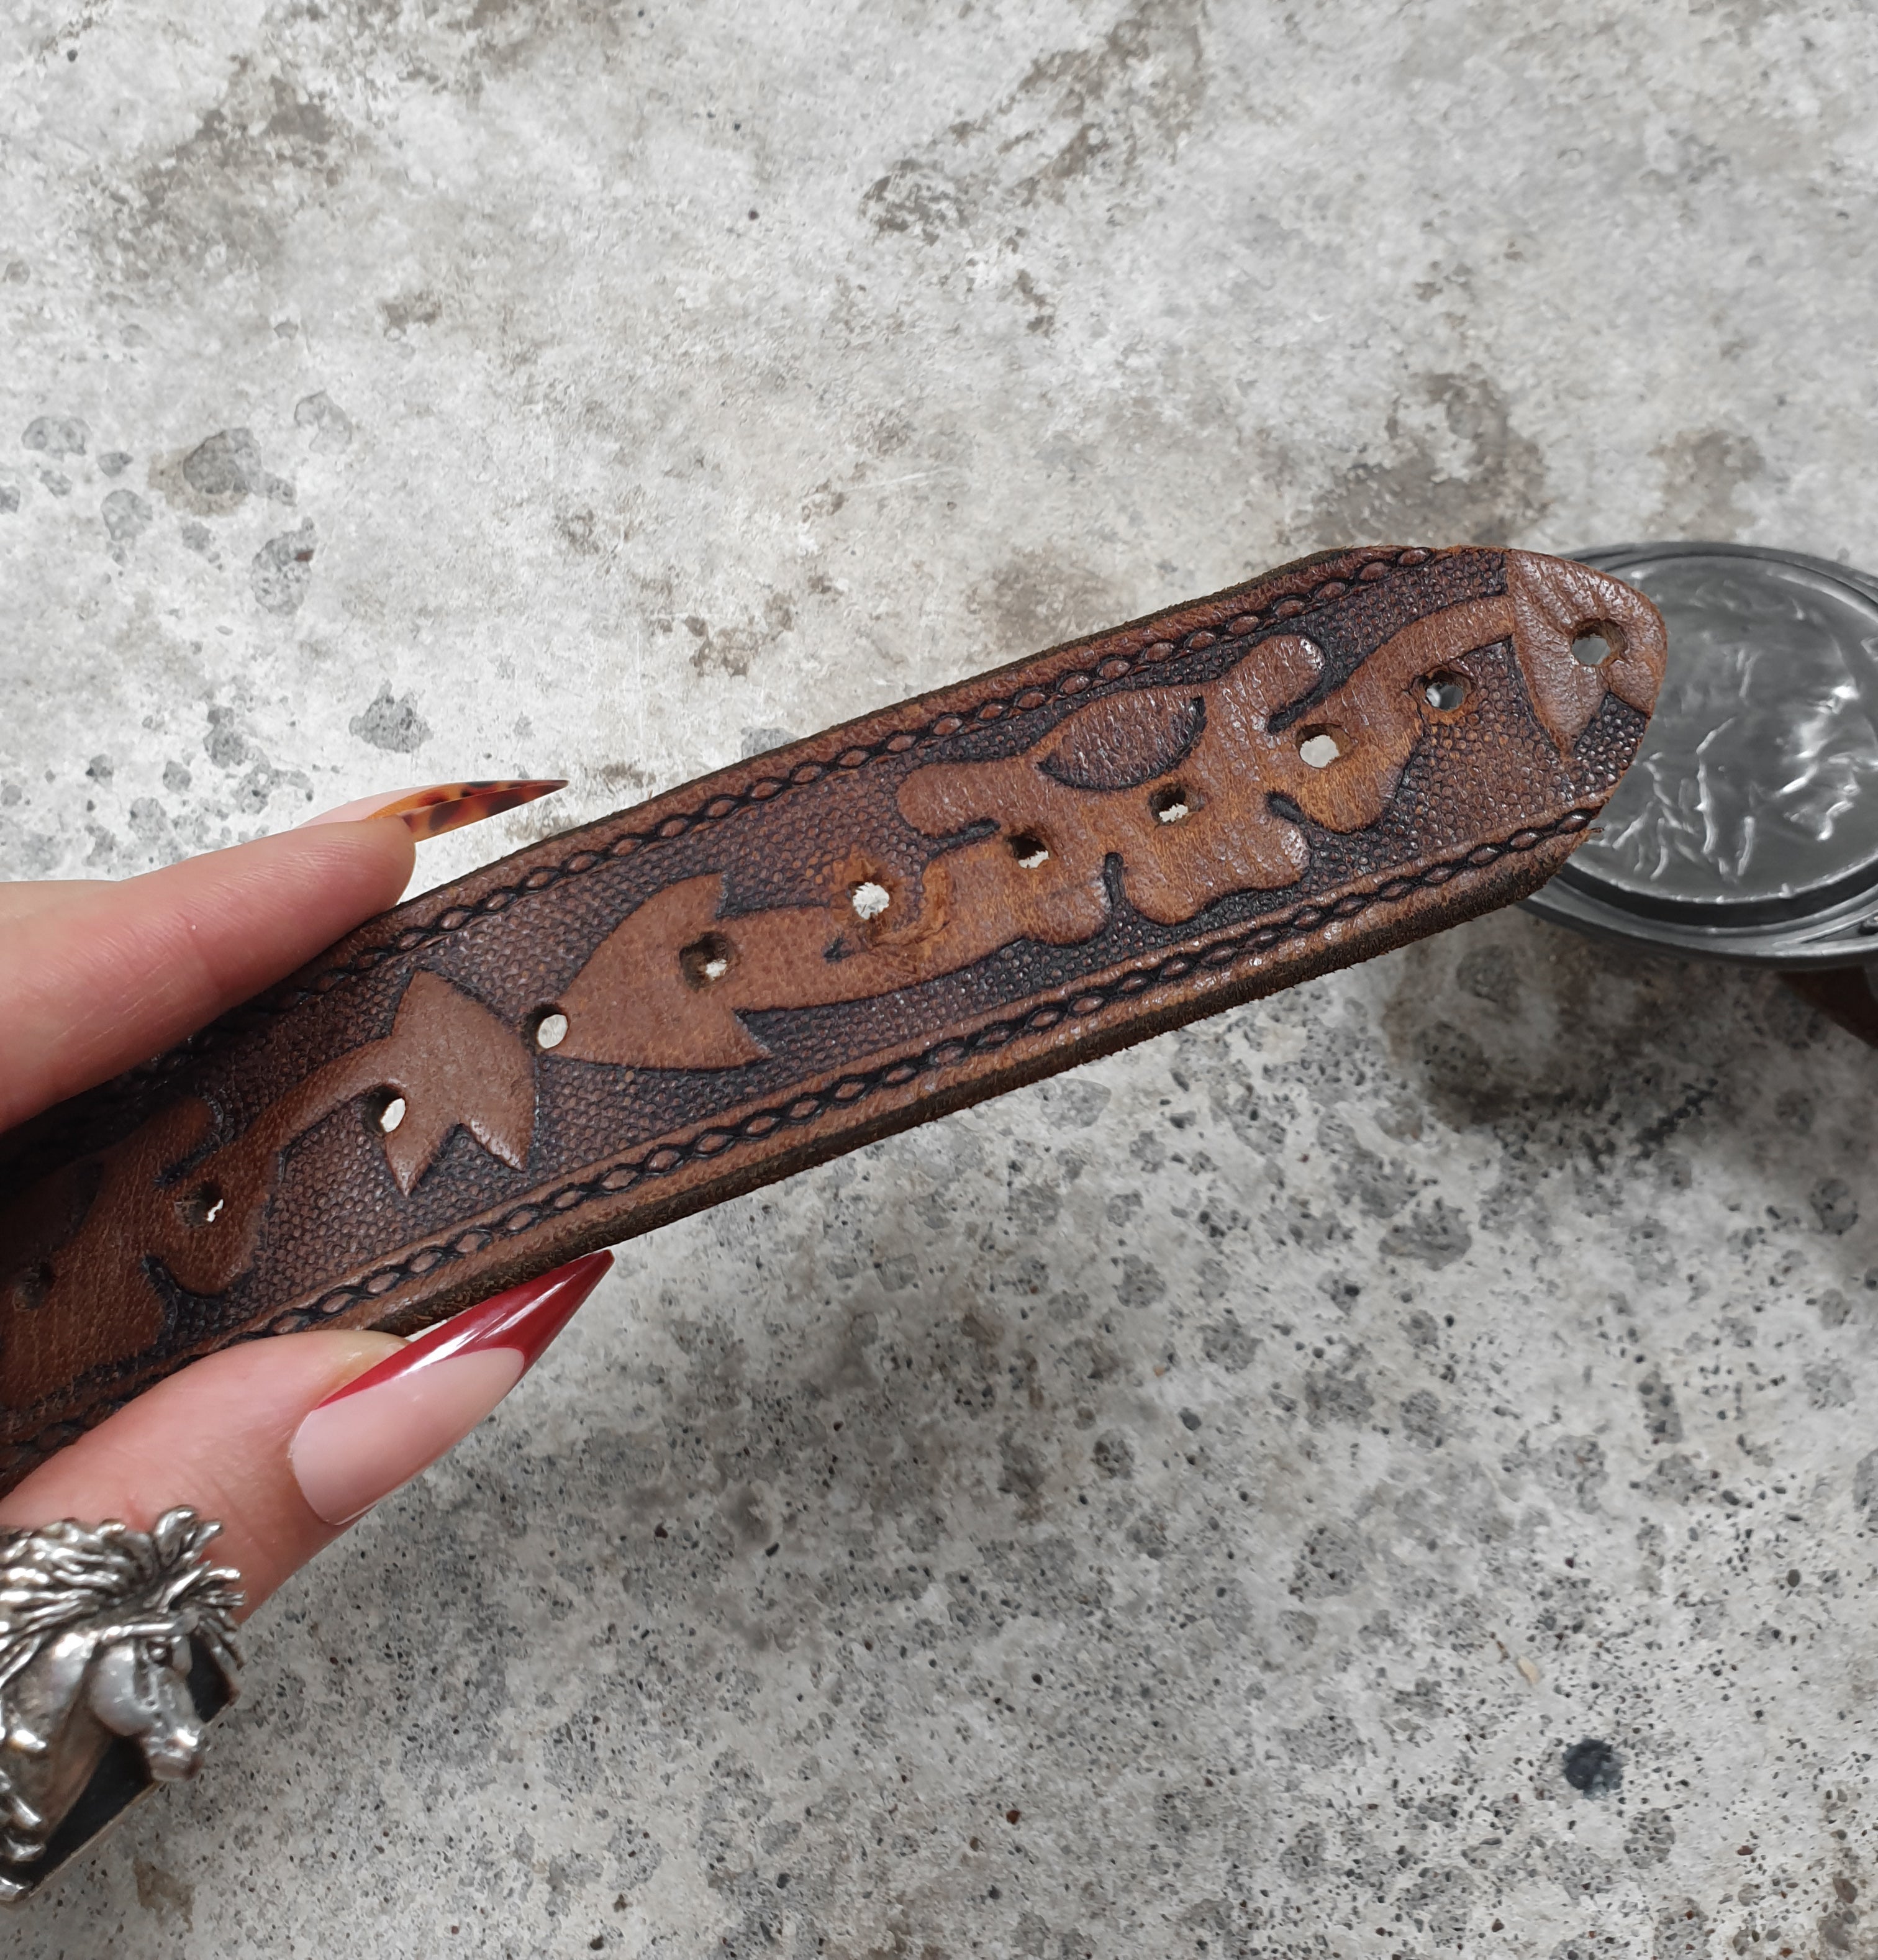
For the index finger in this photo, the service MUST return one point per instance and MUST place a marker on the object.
(98, 976)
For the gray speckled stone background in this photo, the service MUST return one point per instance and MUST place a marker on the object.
(1189, 1508)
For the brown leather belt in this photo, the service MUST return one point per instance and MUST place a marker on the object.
(636, 1019)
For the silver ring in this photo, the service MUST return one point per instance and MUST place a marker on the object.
(117, 1648)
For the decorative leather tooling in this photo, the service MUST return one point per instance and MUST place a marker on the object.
(813, 948)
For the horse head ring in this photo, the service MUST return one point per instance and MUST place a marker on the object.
(100, 1627)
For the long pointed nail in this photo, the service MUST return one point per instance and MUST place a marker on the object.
(429, 813)
(365, 1440)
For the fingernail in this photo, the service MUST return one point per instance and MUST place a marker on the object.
(429, 813)
(386, 1425)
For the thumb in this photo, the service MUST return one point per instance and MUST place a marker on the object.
(287, 1440)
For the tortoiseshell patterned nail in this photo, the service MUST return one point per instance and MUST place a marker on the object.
(429, 813)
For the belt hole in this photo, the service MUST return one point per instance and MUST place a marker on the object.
(705, 961)
(551, 1028)
(1171, 803)
(385, 1109)
(870, 899)
(1318, 748)
(31, 1286)
(1029, 849)
(1444, 692)
(202, 1206)
(1593, 645)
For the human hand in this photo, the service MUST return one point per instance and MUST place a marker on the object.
(286, 1441)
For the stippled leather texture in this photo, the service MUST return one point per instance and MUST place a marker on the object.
(642, 1017)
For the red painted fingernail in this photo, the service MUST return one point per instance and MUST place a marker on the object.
(429, 813)
(384, 1426)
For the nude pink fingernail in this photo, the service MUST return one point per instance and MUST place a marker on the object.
(365, 1440)
(442, 807)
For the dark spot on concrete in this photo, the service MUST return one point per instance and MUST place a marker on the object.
(1489, 974)
(1836, 1929)
(1865, 1483)
(1148, 1535)
(1681, 1931)
(1834, 1206)
(150, 823)
(1423, 1419)
(1331, 1398)
(1036, 599)
(56, 436)
(1142, 1285)
(1651, 1838)
(729, 650)
(176, 778)
(1593, 1767)
(1702, 474)
(1474, 479)
(913, 197)
(1440, 1899)
(199, 538)
(331, 426)
(1436, 1234)
(282, 570)
(1828, 1386)
(1228, 1345)
(1301, 1626)
(1189, 1419)
(1032, 1207)
(9, 498)
(298, 123)
(1575, 1464)
(1380, 1189)
(252, 792)
(1096, 112)
(395, 726)
(1023, 1474)
(1676, 1480)
(163, 1893)
(100, 769)
(1329, 1563)
(1661, 1416)
(126, 517)
(114, 462)
(226, 467)
(1326, 1739)
(422, 308)
(1303, 1860)
(1112, 1455)
(580, 531)
(224, 744)
(1075, 1101)
(1089, 1359)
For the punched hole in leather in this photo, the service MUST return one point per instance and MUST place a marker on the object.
(815, 947)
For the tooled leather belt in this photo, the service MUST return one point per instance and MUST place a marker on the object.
(637, 1018)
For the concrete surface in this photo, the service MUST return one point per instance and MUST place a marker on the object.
(1193, 1508)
